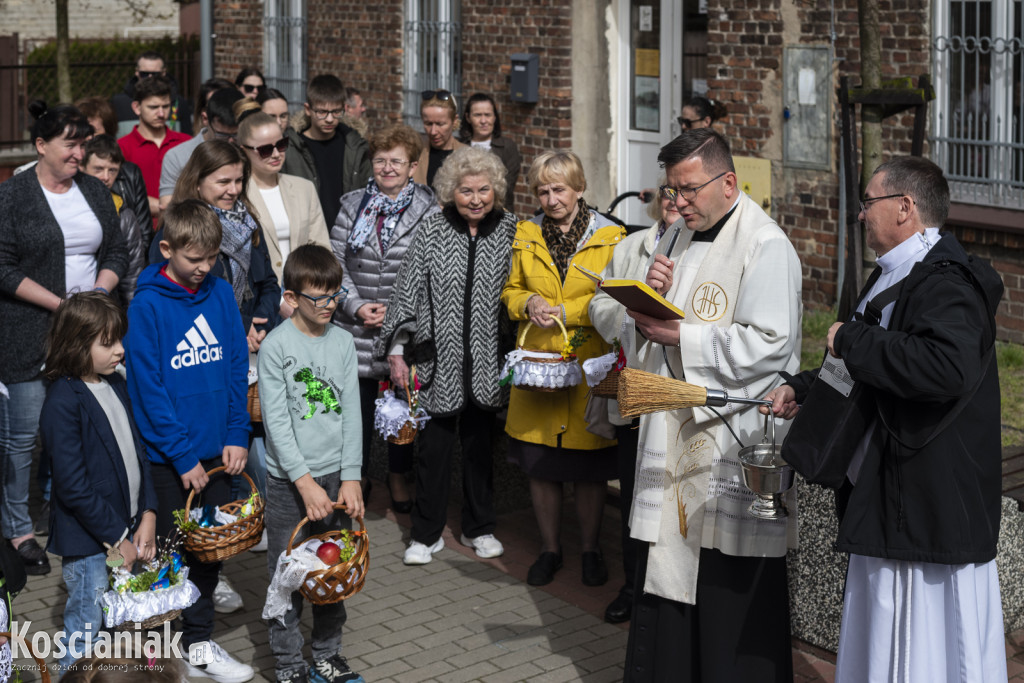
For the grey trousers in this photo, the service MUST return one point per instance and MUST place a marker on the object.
(284, 511)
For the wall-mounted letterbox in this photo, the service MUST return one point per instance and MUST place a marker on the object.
(525, 77)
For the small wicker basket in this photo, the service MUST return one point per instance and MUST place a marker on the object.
(342, 580)
(150, 623)
(252, 403)
(609, 386)
(407, 433)
(217, 543)
(44, 671)
(544, 360)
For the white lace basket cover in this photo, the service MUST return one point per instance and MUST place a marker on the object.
(542, 370)
(129, 606)
(596, 369)
(392, 412)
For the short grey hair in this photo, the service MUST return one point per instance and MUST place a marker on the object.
(467, 161)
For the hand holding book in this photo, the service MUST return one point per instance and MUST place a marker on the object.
(636, 296)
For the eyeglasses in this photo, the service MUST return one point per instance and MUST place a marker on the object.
(442, 95)
(325, 300)
(150, 74)
(867, 201)
(686, 123)
(223, 134)
(265, 151)
(250, 88)
(322, 114)
(396, 164)
(687, 193)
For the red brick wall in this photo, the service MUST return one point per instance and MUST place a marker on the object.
(746, 43)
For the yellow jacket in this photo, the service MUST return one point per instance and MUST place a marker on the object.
(543, 417)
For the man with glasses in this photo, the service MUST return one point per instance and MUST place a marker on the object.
(711, 600)
(218, 120)
(325, 150)
(919, 510)
(149, 64)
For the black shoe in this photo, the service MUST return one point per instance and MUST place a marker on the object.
(620, 609)
(542, 572)
(43, 523)
(595, 572)
(33, 557)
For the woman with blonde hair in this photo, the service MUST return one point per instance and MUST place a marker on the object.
(549, 435)
(444, 315)
(440, 116)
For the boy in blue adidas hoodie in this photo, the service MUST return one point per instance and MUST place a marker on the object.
(188, 362)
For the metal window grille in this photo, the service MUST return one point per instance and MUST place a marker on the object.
(978, 52)
(284, 48)
(433, 53)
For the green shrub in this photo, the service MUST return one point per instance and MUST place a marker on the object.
(102, 67)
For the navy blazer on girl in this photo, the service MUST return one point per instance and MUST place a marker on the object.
(91, 503)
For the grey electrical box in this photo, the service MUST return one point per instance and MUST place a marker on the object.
(525, 77)
(807, 100)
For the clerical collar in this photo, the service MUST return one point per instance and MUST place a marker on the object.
(908, 249)
(711, 233)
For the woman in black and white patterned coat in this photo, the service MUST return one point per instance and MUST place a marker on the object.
(445, 315)
(370, 237)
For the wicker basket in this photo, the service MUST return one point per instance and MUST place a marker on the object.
(348, 576)
(407, 433)
(217, 543)
(150, 623)
(252, 403)
(44, 671)
(609, 386)
(536, 359)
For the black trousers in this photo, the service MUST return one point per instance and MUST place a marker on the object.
(198, 619)
(473, 427)
(399, 456)
(737, 631)
(628, 437)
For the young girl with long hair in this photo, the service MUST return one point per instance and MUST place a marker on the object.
(103, 501)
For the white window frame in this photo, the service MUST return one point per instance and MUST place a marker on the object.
(433, 53)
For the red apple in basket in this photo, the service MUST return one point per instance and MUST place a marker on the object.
(329, 553)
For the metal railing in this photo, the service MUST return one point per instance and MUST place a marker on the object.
(433, 49)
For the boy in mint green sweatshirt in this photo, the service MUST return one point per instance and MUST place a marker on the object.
(309, 396)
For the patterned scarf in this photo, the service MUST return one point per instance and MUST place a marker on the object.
(562, 245)
(378, 205)
(236, 243)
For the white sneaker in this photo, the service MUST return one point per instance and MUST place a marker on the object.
(213, 662)
(225, 599)
(417, 553)
(486, 546)
(260, 547)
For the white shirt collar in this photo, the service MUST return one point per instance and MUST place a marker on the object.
(909, 250)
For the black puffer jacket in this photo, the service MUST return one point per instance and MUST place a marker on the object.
(937, 501)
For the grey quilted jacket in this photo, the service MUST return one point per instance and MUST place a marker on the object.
(370, 275)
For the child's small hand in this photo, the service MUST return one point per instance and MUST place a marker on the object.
(350, 494)
(127, 549)
(145, 537)
(318, 504)
(234, 458)
(196, 478)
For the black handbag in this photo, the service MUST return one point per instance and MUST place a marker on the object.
(835, 414)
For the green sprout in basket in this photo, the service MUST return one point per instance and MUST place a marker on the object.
(575, 341)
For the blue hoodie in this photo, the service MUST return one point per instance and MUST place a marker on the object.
(188, 363)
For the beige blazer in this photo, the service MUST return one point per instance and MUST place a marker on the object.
(306, 223)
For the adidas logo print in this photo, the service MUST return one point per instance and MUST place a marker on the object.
(200, 345)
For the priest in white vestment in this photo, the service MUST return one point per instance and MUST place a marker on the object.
(712, 601)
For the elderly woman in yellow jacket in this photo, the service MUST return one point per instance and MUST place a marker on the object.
(550, 440)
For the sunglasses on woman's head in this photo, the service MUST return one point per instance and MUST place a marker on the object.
(442, 95)
(249, 88)
(265, 151)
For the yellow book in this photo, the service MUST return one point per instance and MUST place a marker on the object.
(636, 296)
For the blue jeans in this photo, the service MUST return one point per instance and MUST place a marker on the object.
(86, 579)
(284, 511)
(19, 424)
